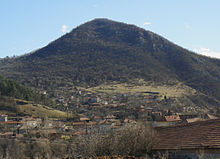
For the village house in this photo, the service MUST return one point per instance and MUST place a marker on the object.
(59, 125)
(191, 120)
(61, 99)
(79, 133)
(172, 118)
(29, 122)
(209, 116)
(105, 102)
(116, 125)
(91, 123)
(187, 116)
(157, 113)
(104, 122)
(6, 135)
(97, 118)
(84, 119)
(189, 140)
(94, 100)
(3, 118)
(95, 104)
(78, 124)
(11, 124)
(167, 121)
(108, 117)
(129, 121)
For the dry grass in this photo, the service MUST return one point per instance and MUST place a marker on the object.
(41, 111)
(177, 90)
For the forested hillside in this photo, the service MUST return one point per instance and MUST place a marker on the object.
(102, 51)
(10, 88)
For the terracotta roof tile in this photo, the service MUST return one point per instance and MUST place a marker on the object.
(202, 134)
(172, 118)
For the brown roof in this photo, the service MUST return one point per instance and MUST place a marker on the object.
(6, 134)
(110, 117)
(78, 124)
(80, 133)
(115, 126)
(193, 120)
(202, 134)
(84, 124)
(96, 117)
(84, 119)
(91, 123)
(212, 116)
(3, 115)
(104, 122)
(11, 122)
(172, 118)
(95, 104)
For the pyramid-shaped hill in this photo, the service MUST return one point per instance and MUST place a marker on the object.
(103, 51)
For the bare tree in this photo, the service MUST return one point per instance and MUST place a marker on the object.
(134, 140)
(131, 140)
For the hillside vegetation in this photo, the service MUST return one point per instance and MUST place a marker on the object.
(12, 89)
(102, 51)
(140, 86)
(18, 100)
(17, 107)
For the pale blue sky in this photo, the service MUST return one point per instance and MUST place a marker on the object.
(26, 25)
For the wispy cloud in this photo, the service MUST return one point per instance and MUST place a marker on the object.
(187, 26)
(147, 23)
(64, 28)
(207, 52)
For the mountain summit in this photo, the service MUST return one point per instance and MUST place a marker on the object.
(103, 51)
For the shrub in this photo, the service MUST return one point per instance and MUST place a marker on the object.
(131, 140)
(134, 140)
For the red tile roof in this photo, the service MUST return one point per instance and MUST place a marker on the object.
(96, 117)
(202, 134)
(84, 119)
(78, 124)
(11, 122)
(172, 118)
(80, 133)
